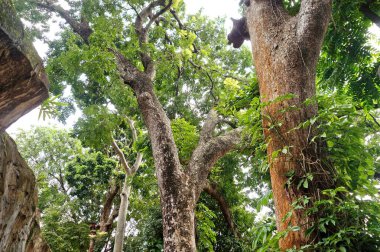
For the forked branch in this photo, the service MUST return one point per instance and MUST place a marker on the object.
(147, 15)
(81, 28)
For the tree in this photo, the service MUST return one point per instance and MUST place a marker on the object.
(286, 39)
(286, 50)
(78, 188)
(126, 190)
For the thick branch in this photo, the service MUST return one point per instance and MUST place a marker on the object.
(81, 28)
(128, 72)
(121, 155)
(211, 189)
(313, 18)
(368, 13)
(209, 126)
(105, 217)
(165, 153)
(207, 153)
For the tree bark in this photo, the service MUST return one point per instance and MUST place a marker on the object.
(176, 191)
(285, 54)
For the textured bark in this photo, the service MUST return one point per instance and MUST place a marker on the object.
(23, 86)
(108, 214)
(177, 197)
(19, 229)
(285, 54)
(23, 83)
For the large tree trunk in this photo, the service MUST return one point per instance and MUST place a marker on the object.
(285, 53)
(177, 200)
(178, 220)
(180, 187)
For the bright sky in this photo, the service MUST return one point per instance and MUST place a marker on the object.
(212, 8)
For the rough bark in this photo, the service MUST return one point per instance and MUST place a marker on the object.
(285, 54)
(19, 229)
(23, 83)
(109, 212)
(107, 217)
(23, 86)
(177, 197)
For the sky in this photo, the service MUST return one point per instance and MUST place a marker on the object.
(211, 8)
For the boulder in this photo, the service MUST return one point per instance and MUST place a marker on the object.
(19, 217)
(23, 82)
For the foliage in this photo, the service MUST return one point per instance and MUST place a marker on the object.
(196, 71)
(72, 184)
(347, 61)
(89, 177)
(186, 138)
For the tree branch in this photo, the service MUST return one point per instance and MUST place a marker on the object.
(312, 21)
(81, 28)
(139, 157)
(210, 149)
(209, 126)
(128, 72)
(368, 13)
(112, 217)
(174, 13)
(211, 189)
(142, 32)
(122, 159)
(105, 217)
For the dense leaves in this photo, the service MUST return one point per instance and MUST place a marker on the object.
(196, 71)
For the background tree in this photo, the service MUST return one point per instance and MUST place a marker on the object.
(76, 187)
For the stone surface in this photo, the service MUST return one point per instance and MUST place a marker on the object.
(23, 86)
(23, 82)
(19, 228)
